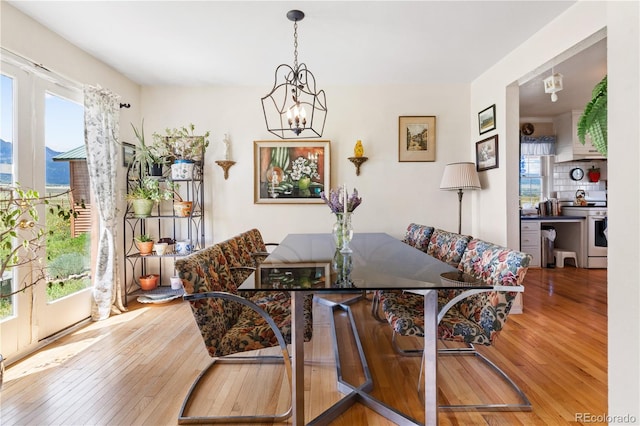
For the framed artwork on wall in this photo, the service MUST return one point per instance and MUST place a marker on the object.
(291, 172)
(487, 154)
(128, 152)
(487, 119)
(417, 138)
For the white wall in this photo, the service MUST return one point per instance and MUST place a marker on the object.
(498, 85)
(394, 194)
(497, 207)
(26, 37)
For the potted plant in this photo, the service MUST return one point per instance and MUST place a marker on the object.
(594, 118)
(144, 244)
(185, 147)
(594, 174)
(148, 158)
(148, 282)
(181, 207)
(145, 194)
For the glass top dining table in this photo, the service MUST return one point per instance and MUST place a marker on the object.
(304, 263)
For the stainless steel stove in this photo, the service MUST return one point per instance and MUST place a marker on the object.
(595, 213)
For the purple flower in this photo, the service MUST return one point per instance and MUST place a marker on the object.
(335, 201)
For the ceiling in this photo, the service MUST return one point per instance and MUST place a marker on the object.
(193, 43)
(580, 72)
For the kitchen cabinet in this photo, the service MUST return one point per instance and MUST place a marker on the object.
(530, 241)
(568, 146)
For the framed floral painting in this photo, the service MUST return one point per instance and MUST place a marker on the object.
(291, 172)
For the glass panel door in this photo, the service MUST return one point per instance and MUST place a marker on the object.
(68, 245)
(41, 121)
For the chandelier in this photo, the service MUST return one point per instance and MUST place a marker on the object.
(294, 104)
(553, 84)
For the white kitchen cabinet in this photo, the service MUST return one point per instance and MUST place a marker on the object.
(530, 241)
(568, 146)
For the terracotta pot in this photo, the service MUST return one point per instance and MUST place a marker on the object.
(182, 208)
(148, 282)
(145, 247)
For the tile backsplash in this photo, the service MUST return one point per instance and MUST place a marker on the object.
(565, 188)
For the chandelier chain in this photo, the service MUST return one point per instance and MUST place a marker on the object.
(295, 46)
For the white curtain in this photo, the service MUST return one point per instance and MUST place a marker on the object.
(539, 145)
(102, 131)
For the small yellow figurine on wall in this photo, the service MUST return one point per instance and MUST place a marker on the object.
(358, 150)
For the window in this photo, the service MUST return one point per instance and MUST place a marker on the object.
(68, 249)
(6, 178)
(530, 181)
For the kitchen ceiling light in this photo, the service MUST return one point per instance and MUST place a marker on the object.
(553, 84)
(294, 104)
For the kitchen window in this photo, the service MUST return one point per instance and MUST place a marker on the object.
(531, 181)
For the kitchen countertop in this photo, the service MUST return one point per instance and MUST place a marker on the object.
(551, 218)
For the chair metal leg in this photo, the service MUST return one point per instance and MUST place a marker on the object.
(523, 405)
(375, 307)
(404, 352)
(184, 419)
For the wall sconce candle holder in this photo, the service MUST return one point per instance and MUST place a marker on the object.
(226, 165)
(358, 161)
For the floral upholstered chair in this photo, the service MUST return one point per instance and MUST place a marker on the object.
(256, 245)
(231, 324)
(447, 246)
(418, 236)
(470, 316)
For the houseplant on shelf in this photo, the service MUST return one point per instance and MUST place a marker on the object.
(144, 244)
(149, 159)
(185, 147)
(148, 282)
(145, 193)
(181, 207)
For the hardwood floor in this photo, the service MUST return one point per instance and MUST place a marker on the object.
(136, 368)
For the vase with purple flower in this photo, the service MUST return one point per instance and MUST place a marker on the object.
(342, 205)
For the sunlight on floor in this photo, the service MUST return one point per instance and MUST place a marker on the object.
(58, 352)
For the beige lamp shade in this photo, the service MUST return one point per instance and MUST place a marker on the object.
(460, 176)
(457, 177)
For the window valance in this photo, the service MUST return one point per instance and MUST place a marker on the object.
(539, 145)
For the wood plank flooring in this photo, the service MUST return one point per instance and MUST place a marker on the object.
(136, 368)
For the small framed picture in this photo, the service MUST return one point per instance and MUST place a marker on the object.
(487, 154)
(417, 138)
(487, 119)
(128, 151)
(291, 172)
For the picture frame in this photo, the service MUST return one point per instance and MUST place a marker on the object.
(291, 171)
(128, 152)
(487, 119)
(416, 138)
(286, 276)
(487, 154)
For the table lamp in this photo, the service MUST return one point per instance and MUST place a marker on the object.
(460, 176)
